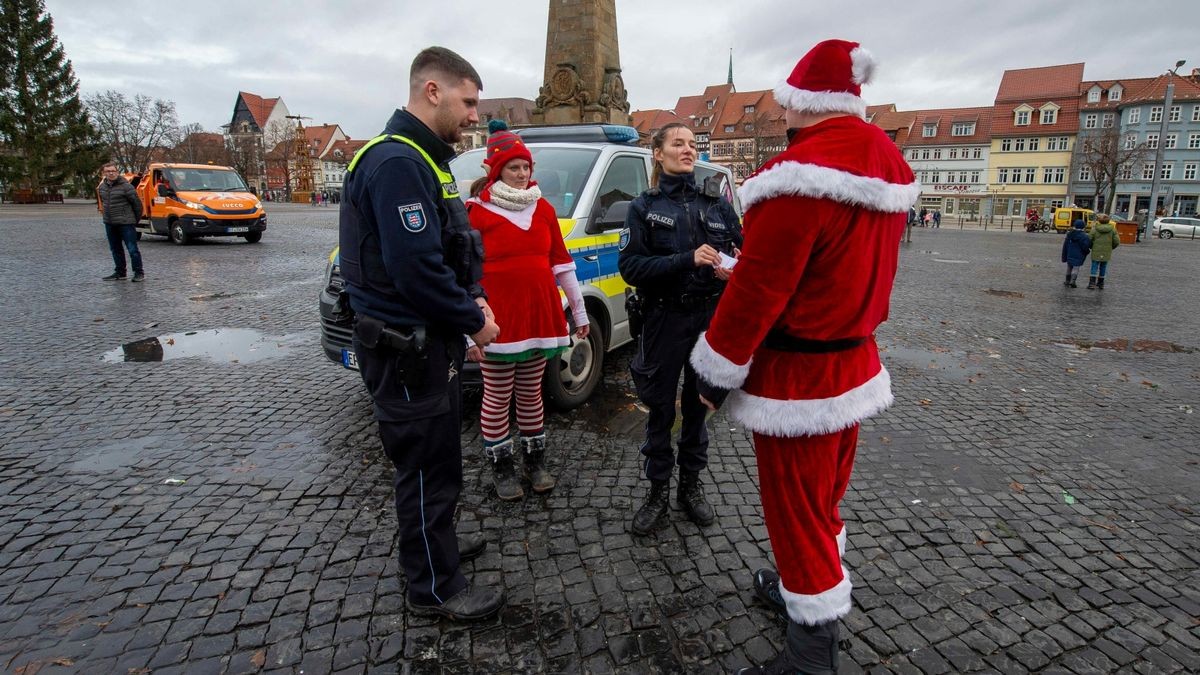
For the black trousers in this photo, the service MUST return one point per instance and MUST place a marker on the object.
(420, 429)
(664, 347)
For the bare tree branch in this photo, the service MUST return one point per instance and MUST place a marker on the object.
(133, 129)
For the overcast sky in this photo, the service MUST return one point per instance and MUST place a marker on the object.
(347, 61)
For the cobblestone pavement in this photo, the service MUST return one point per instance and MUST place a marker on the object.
(1029, 503)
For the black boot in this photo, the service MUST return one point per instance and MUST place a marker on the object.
(1091, 282)
(470, 546)
(1067, 281)
(508, 486)
(534, 451)
(766, 587)
(470, 604)
(1100, 283)
(1074, 276)
(690, 497)
(653, 513)
(812, 650)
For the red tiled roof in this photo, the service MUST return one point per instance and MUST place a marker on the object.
(1047, 82)
(319, 136)
(260, 108)
(647, 121)
(768, 115)
(698, 106)
(873, 110)
(1066, 122)
(1155, 89)
(348, 147)
(945, 118)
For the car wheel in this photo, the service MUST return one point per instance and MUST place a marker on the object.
(1166, 234)
(1045, 227)
(254, 237)
(573, 375)
(177, 234)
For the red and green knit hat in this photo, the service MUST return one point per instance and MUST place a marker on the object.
(503, 146)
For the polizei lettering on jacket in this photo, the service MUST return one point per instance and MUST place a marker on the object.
(661, 219)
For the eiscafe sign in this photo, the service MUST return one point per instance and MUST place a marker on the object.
(957, 188)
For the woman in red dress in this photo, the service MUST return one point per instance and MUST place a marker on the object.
(525, 262)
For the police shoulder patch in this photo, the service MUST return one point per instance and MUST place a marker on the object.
(413, 217)
(624, 240)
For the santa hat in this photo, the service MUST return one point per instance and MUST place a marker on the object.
(503, 146)
(828, 79)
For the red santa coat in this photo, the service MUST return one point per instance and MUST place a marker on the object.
(822, 227)
(523, 251)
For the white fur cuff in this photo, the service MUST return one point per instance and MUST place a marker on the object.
(821, 182)
(716, 369)
(802, 100)
(816, 609)
(812, 417)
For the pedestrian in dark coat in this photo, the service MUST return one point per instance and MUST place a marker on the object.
(120, 208)
(1075, 251)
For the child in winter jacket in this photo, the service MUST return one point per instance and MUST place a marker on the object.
(1104, 240)
(1075, 251)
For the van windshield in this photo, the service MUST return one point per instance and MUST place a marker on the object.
(201, 180)
(559, 172)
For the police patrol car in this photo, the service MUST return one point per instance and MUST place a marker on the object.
(589, 173)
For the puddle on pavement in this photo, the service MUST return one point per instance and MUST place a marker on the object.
(1126, 345)
(221, 345)
(1004, 294)
(612, 413)
(114, 456)
(948, 260)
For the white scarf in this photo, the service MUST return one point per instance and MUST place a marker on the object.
(507, 197)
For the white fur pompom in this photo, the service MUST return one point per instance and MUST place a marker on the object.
(862, 65)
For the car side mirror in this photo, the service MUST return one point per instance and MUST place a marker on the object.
(613, 218)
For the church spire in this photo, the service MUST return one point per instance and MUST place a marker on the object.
(731, 65)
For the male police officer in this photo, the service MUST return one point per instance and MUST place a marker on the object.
(412, 269)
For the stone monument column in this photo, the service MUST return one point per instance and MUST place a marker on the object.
(583, 67)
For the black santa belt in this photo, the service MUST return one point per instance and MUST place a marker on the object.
(782, 342)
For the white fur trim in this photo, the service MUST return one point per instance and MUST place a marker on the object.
(841, 541)
(565, 267)
(523, 345)
(824, 606)
(716, 369)
(804, 101)
(821, 182)
(862, 65)
(811, 417)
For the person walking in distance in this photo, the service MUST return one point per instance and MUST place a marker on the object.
(526, 264)
(1104, 240)
(120, 209)
(792, 341)
(671, 249)
(412, 266)
(1075, 251)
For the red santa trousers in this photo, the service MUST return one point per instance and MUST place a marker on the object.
(802, 480)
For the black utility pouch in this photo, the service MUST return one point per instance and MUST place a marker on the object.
(368, 329)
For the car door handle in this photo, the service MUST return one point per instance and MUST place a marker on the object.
(591, 258)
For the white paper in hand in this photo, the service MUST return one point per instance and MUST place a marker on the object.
(727, 262)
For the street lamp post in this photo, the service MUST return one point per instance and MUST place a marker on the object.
(1158, 151)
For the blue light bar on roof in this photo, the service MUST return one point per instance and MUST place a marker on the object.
(620, 133)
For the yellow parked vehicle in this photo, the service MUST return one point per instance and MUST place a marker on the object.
(1065, 215)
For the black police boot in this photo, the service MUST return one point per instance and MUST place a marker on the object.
(508, 486)
(812, 650)
(470, 546)
(470, 604)
(534, 451)
(653, 513)
(690, 497)
(766, 587)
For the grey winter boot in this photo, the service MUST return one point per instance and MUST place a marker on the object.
(1067, 281)
(691, 498)
(534, 451)
(653, 513)
(1091, 282)
(1074, 276)
(1100, 283)
(508, 486)
(812, 650)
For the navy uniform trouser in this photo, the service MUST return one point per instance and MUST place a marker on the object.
(664, 347)
(420, 429)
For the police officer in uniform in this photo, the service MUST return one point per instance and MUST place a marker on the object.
(671, 250)
(412, 269)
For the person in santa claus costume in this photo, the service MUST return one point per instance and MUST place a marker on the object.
(792, 341)
(524, 264)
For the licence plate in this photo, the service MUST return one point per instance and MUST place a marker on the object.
(349, 359)
(237, 229)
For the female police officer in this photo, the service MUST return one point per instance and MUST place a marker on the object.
(671, 250)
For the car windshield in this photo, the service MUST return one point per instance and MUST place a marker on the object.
(559, 172)
(202, 180)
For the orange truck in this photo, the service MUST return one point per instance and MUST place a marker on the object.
(186, 201)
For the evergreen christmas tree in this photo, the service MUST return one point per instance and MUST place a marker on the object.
(46, 139)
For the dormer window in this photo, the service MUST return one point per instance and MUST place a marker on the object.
(748, 109)
(1094, 95)
(962, 129)
(711, 103)
(1049, 113)
(929, 130)
(729, 128)
(1114, 94)
(1021, 116)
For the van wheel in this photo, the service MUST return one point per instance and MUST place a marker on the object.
(177, 234)
(573, 375)
(254, 237)
(1165, 234)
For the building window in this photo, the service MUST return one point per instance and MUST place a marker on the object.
(912, 154)
(929, 130)
(1156, 113)
(1166, 170)
(925, 153)
(1030, 175)
(710, 104)
(1135, 115)
(1131, 141)
(748, 109)
(1002, 176)
(1006, 145)
(1019, 146)
(1196, 113)
(748, 126)
(1189, 171)
(1060, 175)
(1022, 118)
(1193, 141)
(1152, 141)
(1094, 95)
(729, 128)
(1085, 173)
(953, 153)
(1050, 116)
(1106, 121)
(1114, 94)
(1148, 171)
(1063, 142)
(1126, 172)
(977, 153)
(962, 129)
(1170, 142)
(1090, 120)
(1176, 113)
(937, 153)
(974, 176)
(1034, 144)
